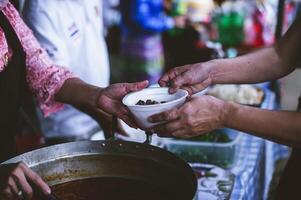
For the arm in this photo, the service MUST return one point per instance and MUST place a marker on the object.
(154, 22)
(263, 65)
(279, 126)
(94, 100)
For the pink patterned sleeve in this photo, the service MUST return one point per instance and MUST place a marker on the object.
(44, 78)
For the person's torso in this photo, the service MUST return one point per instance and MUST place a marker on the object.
(81, 24)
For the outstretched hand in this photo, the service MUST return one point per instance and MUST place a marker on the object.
(110, 99)
(197, 116)
(193, 78)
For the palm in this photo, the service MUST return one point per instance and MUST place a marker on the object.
(110, 99)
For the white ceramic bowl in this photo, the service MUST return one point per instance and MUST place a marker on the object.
(143, 112)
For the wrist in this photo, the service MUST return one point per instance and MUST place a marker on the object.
(228, 112)
(211, 68)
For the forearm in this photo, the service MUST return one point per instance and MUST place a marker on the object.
(79, 94)
(263, 65)
(260, 66)
(279, 126)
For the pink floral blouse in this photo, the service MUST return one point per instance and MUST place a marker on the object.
(43, 77)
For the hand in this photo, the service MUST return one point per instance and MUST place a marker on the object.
(110, 100)
(192, 78)
(198, 116)
(15, 179)
(180, 21)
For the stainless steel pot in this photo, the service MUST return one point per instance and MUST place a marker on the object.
(80, 160)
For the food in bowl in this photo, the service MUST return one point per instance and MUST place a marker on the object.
(141, 113)
(148, 102)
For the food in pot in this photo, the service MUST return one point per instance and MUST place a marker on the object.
(149, 102)
(242, 94)
(109, 188)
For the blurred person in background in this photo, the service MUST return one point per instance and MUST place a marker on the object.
(26, 71)
(72, 34)
(143, 21)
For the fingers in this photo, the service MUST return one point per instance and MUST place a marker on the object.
(182, 133)
(13, 187)
(170, 75)
(178, 82)
(36, 179)
(197, 87)
(16, 182)
(121, 130)
(165, 116)
(168, 128)
(24, 185)
(18, 176)
(133, 87)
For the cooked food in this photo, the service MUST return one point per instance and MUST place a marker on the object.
(243, 94)
(149, 102)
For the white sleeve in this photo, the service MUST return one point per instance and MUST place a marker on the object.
(42, 19)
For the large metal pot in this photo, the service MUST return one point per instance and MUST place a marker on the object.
(79, 160)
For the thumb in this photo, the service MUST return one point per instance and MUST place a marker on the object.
(133, 87)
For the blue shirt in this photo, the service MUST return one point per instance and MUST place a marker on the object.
(144, 16)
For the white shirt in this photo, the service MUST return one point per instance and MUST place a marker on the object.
(72, 33)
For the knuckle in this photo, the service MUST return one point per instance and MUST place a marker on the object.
(174, 82)
(10, 183)
(21, 165)
(15, 173)
(187, 109)
(190, 122)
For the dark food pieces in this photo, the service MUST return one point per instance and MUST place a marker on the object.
(149, 102)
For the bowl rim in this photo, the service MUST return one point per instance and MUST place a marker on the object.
(154, 105)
